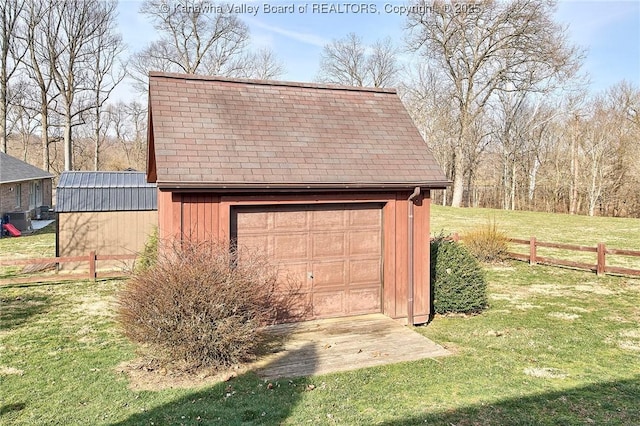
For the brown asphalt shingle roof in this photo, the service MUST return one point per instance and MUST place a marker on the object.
(224, 133)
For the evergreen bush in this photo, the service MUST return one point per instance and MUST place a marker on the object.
(457, 279)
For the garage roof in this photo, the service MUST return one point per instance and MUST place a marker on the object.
(105, 191)
(213, 132)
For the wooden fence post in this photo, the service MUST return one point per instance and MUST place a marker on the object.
(92, 265)
(601, 266)
(532, 251)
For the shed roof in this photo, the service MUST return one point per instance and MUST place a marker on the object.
(105, 191)
(213, 132)
(15, 170)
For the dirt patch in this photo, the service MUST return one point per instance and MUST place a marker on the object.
(595, 289)
(7, 371)
(564, 316)
(551, 290)
(146, 376)
(577, 309)
(630, 340)
(545, 373)
(93, 307)
(525, 306)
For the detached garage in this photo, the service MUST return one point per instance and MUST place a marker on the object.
(332, 182)
(105, 212)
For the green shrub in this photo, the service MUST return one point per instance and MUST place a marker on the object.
(487, 243)
(149, 254)
(457, 279)
(199, 306)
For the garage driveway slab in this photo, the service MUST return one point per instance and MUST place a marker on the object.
(342, 344)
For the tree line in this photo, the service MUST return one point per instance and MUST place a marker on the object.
(497, 91)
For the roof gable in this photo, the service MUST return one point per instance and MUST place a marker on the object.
(15, 170)
(225, 133)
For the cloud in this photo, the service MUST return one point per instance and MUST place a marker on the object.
(301, 37)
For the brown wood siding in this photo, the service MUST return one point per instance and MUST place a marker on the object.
(200, 216)
(123, 232)
(183, 212)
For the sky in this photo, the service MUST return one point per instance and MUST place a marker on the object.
(297, 30)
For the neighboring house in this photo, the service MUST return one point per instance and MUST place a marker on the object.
(333, 183)
(104, 212)
(25, 191)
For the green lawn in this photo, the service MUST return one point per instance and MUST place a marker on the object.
(555, 347)
(42, 243)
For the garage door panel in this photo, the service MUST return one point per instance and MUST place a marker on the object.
(364, 271)
(365, 217)
(328, 304)
(329, 274)
(256, 243)
(285, 221)
(290, 247)
(329, 244)
(364, 243)
(294, 275)
(254, 223)
(362, 301)
(326, 219)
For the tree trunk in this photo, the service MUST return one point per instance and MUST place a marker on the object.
(532, 182)
(96, 153)
(68, 148)
(3, 119)
(44, 135)
(573, 196)
(458, 177)
(512, 203)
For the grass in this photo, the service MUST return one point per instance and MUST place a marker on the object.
(41, 243)
(556, 346)
(620, 233)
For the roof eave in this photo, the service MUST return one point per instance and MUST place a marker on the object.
(25, 179)
(300, 187)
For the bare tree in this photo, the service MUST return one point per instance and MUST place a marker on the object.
(262, 64)
(80, 24)
(198, 37)
(106, 72)
(38, 27)
(485, 48)
(350, 62)
(11, 53)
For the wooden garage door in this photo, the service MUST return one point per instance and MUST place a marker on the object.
(333, 251)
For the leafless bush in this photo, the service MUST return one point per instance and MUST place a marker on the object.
(202, 306)
(487, 243)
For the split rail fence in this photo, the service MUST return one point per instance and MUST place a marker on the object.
(600, 267)
(91, 259)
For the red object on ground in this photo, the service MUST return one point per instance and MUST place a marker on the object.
(13, 231)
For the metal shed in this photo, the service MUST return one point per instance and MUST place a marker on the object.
(105, 212)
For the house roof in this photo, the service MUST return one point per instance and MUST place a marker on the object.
(14, 170)
(105, 191)
(213, 132)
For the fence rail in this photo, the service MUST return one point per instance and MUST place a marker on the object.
(91, 259)
(600, 267)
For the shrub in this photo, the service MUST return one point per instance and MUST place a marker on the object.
(487, 243)
(197, 306)
(458, 281)
(149, 254)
